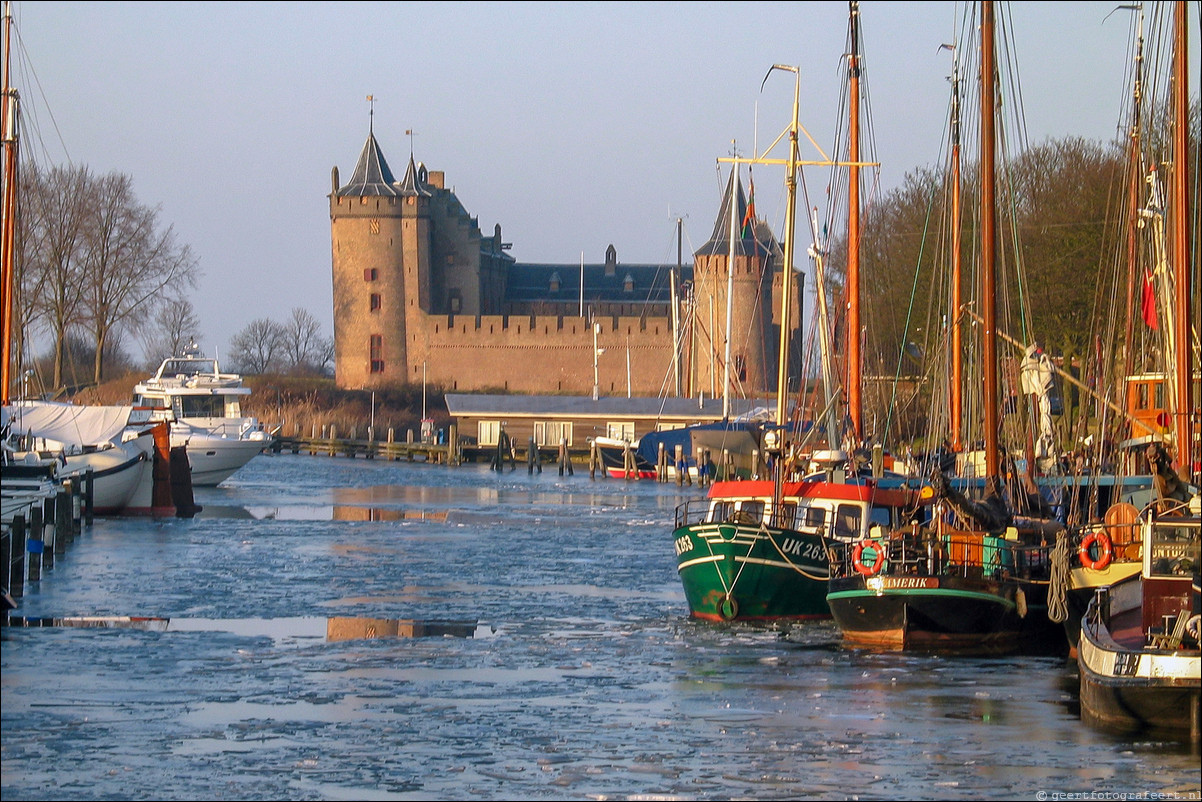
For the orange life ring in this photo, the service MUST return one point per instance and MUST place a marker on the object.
(857, 558)
(1105, 550)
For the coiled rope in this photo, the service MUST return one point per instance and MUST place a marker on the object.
(1058, 589)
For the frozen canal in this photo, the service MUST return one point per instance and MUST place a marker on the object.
(531, 642)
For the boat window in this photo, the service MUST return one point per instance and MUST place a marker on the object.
(786, 515)
(881, 515)
(1174, 550)
(721, 511)
(200, 406)
(847, 521)
(751, 512)
(815, 517)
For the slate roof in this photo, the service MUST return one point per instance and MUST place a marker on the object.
(758, 236)
(650, 284)
(372, 177)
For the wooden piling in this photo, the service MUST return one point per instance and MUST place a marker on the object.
(16, 561)
(34, 542)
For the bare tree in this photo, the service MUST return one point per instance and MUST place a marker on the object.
(258, 347)
(173, 325)
(304, 349)
(53, 275)
(128, 260)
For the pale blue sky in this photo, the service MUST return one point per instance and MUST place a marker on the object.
(572, 125)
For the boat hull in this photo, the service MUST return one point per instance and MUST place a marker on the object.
(1127, 686)
(744, 572)
(117, 473)
(215, 459)
(933, 613)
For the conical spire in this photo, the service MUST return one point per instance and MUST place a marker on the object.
(414, 182)
(372, 176)
(719, 242)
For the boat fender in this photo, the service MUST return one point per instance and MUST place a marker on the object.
(857, 558)
(728, 608)
(1192, 627)
(1105, 550)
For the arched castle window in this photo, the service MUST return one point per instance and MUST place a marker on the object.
(555, 281)
(628, 283)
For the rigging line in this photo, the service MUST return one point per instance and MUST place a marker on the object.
(816, 577)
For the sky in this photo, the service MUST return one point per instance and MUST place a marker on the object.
(572, 125)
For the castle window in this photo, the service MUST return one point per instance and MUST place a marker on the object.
(555, 281)
(450, 260)
(375, 302)
(376, 348)
(455, 302)
(371, 274)
(628, 283)
(374, 226)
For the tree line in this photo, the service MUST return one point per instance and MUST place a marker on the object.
(97, 273)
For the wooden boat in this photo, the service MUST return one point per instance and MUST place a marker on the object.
(972, 577)
(1138, 655)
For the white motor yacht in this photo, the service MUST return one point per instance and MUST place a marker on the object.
(204, 407)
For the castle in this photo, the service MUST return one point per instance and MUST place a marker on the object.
(420, 294)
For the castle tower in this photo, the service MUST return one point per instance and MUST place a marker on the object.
(367, 224)
(752, 349)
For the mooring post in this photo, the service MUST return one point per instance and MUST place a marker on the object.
(89, 501)
(34, 542)
(16, 563)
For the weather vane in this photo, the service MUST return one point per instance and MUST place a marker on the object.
(371, 112)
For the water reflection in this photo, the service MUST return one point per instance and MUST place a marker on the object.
(339, 628)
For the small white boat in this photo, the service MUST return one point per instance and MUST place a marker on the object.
(204, 407)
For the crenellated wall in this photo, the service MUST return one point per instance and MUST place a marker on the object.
(543, 354)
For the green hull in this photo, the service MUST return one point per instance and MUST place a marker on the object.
(737, 572)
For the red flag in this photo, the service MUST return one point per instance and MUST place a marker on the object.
(1148, 305)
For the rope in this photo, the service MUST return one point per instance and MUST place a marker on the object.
(785, 557)
(1058, 589)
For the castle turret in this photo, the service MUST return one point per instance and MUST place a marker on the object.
(753, 360)
(370, 287)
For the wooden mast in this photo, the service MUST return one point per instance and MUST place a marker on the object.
(1186, 416)
(855, 403)
(8, 224)
(957, 384)
(989, 356)
(1135, 179)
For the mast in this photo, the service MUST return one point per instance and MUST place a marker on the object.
(1186, 416)
(855, 404)
(676, 310)
(1136, 174)
(8, 218)
(730, 294)
(989, 357)
(786, 291)
(957, 386)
